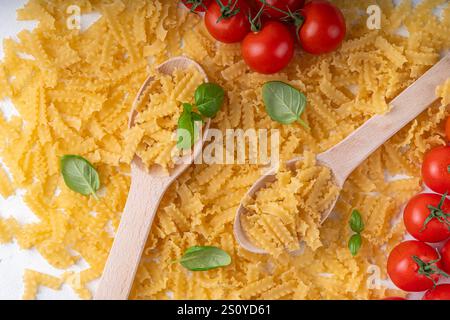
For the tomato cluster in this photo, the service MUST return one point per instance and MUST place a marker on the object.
(415, 266)
(269, 29)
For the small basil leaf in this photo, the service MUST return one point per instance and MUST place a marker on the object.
(354, 244)
(283, 103)
(185, 132)
(200, 258)
(356, 223)
(80, 175)
(209, 98)
(196, 117)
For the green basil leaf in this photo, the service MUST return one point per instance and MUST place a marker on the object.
(354, 244)
(196, 117)
(284, 103)
(209, 98)
(185, 132)
(80, 175)
(199, 258)
(356, 223)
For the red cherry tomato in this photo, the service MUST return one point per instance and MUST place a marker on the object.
(269, 50)
(436, 169)
(417, 211)
(440, 292)
(323, 29)
(285, 5)
(232, 26)
(447, 129)
(394, 298)
(445, 254)
(405, 271)
(197, 5)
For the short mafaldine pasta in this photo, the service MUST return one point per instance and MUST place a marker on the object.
(80, 86)
(152, 137)
(290, 209)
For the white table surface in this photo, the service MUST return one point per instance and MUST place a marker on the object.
(13, 260)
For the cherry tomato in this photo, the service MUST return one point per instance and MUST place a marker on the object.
(394, 298)
(232, 25)
(285, 5)
(269, 50)
(323, 29)
(416, 213)
(440, 292)
(445, 254)
(404, 269)
(197, 5)
(436, 169)
(447, 129)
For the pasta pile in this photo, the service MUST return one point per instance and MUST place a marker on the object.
(73, 91)
(291, 209)
(158, 110)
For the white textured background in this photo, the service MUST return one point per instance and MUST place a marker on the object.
(13, 261)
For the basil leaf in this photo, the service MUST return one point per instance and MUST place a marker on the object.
(80, 175)
(199, 258)
(185, 132)
(196, 117)
(284, 103)
(209, 98)
(356, 223)
(354, 244)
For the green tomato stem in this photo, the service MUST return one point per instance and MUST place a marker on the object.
(293, 15)
(227, 11)
(298, 25)
(427, 269)
(438, 213)
(256, 21)
(195, 4)
(264, 2)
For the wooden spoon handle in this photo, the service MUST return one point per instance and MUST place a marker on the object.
(130, 239)
(344, 157)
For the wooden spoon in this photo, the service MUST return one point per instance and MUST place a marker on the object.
(346, 156)
(146, 191)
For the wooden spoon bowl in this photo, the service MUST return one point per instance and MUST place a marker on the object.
(347, 155)
(148, 186)
(268, 178)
